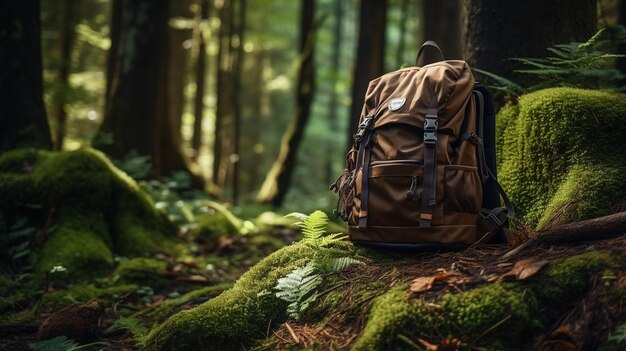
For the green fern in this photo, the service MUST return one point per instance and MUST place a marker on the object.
(299, 288)
(62, 343)
(313, 229)
(337, 264)
(134, 326)
(619, 334)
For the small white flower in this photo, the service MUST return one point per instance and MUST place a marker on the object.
(58, 269)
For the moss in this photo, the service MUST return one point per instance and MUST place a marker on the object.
(141, 271)
(82, 294)
(570, 278)
(393, 314)
(237, 316)
(558, 149)
(99, 210)
(474, 312)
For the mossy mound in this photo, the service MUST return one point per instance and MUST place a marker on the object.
(239, 315)
(83, 293)
(96, 209)
(372, 306)
(561, 158)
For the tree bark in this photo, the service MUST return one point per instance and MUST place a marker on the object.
(442, 23)
(22, 113)
(334, 96)
(112, 59)
(196, 141)
(621, 62)
(495, 30)
(278, 179)
(370, 56)
(223, 111)
(138, 112)
(68, 36)
(240, 31)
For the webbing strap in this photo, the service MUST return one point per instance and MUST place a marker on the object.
(505, 198)
(429, 188)
(482, 162)
(365, 184)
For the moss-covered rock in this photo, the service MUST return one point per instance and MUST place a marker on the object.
(239, 315)
(98, 210)
(560, 155)
(141, 271)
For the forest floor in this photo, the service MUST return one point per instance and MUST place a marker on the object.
(210, 268)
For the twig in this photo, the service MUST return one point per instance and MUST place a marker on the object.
(293, 334)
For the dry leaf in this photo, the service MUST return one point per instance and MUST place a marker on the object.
(558, 345)
(422, 284)
(524, 269)
(195, 278)
(447, 344)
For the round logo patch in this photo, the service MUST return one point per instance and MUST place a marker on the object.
(396, 104)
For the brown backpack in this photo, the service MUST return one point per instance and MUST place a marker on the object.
(416, 170)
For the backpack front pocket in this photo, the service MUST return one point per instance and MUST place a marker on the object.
(395, 187)
(463, 189)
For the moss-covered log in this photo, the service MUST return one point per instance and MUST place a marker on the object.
(96, 210)
(561, 155)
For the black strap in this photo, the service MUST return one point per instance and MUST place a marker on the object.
(480, 147)
(496, 218)
(505, 198)
(429, 187)
(365, 144)
(428, 43)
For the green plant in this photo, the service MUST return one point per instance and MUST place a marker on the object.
(134, 326)
(62, 343)
(300, 287)
(619, 334)
(313, 229)
(582, 65)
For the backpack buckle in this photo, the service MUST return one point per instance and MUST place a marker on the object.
(363, 127)
(431, 123)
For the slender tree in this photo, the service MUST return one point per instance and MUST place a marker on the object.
(334, 94)
(23, 121)
(138, 112)
(68, 37)
(200, 76)
(278, 179)
(370, 55)
(497, 30)
(240, 31)
(223, 113)
(116, 20)
(621, 63)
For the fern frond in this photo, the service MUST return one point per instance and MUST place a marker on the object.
(299, 288)
(314, 226)
(337, 264)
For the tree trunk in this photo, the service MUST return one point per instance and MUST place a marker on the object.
(404, 19)
(334, 96)
(278, 179)
(240, 31)
(68, 36)
(112, 59)
(138, 114)
(223, 110)
(22, 113)
(621, 62)
(370, 55)
(442, 23)
(497, 30)
(196, 141)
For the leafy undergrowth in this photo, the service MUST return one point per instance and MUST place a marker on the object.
(197, 264)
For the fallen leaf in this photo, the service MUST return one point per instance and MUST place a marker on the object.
(422, 284)
(558, 345)
(195, 278)
(524, 269)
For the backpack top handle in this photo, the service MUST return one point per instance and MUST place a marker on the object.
(428, 43)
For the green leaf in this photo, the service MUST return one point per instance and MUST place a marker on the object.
(60, 343)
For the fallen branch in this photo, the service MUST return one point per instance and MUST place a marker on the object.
(591, 229)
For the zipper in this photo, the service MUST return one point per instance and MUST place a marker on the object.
(401, 162)
(411, 193)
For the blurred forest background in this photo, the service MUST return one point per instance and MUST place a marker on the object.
(256, 99)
